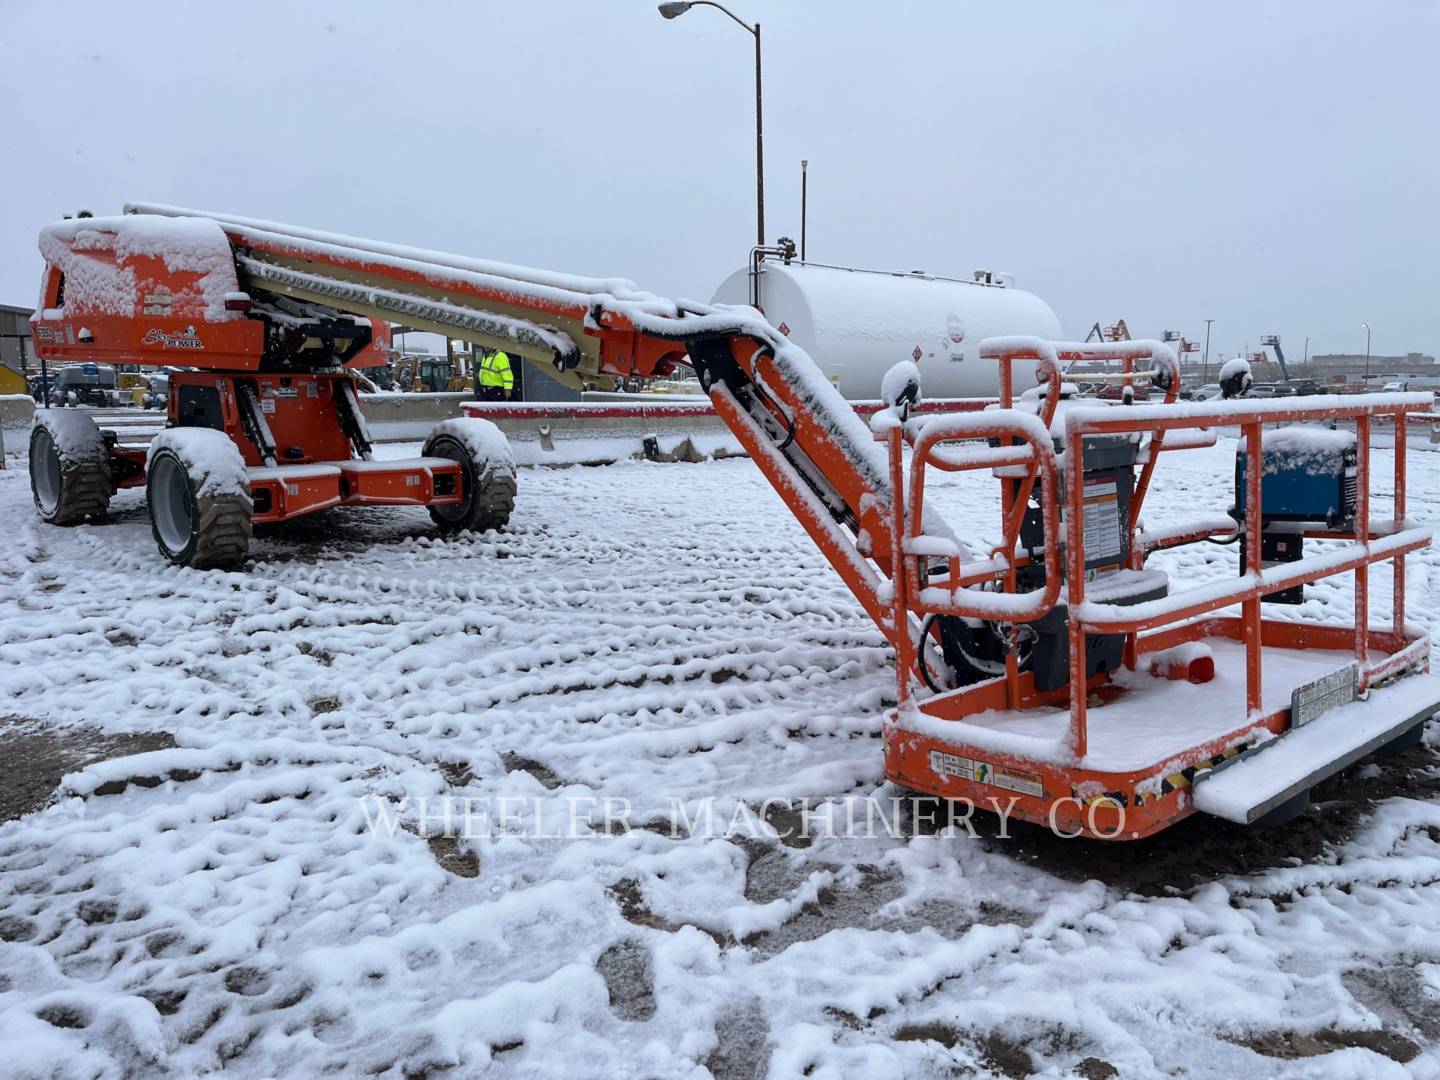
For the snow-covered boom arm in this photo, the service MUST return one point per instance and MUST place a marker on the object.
(577, 325)
(807, 440)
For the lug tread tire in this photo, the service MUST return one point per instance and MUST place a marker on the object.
(85, 490)
(225, 530)
(495, 501)
(220, 524)
(495, 487)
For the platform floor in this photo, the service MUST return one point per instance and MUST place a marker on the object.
(1157, 719)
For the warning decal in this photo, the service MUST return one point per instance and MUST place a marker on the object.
(982, 772)
(1102, 521)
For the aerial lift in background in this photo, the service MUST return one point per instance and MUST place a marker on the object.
(1273, 341)
(1117, 331)
(1043, 668)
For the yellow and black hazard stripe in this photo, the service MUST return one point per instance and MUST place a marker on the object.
(1168, 784)
(1184, 778)
(1115, 798)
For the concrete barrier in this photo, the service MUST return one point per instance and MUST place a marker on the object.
(602, 432)
(591, 432)
(409, 417)
(16, 412)
(598, 433)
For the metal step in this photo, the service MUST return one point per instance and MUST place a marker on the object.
(1248, 787)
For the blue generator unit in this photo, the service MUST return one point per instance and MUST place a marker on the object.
(1307, 474)
(1307, 478)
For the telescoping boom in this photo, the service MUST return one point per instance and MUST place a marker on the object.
(805, 437)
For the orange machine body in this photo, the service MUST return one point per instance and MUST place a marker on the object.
(164, 292)
(105, 300)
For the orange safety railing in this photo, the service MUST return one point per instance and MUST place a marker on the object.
(1035, 452)
(1369, 543)
(1020, 449)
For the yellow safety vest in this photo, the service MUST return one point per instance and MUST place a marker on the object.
(495, 371)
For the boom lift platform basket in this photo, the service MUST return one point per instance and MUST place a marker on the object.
(1105, 747)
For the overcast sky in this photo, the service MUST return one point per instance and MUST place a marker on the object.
(1272, 166)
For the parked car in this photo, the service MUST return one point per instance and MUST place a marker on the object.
(1293, 388)
(1116, 392)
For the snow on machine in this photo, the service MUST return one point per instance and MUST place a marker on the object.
(263, 420)
(1054, 676)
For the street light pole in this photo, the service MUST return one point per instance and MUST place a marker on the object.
(804, 199)
(674, 10)
(1367, 352)
(1205, 365)
(759, 149)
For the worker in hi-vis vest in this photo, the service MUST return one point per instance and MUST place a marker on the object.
(494, 381)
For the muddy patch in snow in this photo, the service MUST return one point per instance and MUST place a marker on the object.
(1291, 1044)
(1402, 999)
(1009, 1054)
(36, 757)
(853, 900)
(462, 862)
(629, 980)
(743, 1052)
(543, 773)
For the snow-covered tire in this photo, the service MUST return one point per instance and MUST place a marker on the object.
(487, 472)
(69, 468)
(198, 494)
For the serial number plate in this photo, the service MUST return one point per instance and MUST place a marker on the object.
(1314, 699)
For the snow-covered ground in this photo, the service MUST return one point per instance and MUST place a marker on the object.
(644, 637)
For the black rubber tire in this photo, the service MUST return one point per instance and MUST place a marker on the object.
(81, 488)
(490, 494)
(219, 526)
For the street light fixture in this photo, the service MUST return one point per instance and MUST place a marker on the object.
(676, 8)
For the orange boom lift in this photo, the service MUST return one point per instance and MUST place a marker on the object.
(1054, 676)
(263, 421)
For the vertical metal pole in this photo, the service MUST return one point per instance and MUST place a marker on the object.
(1075, 591)
(1205, 364)
(1362, 536)
(759, 150)
(900, 567)
(1367, 353)
(1251, 608)
(1397, 603)
(804, 198)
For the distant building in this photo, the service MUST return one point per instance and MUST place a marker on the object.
(1413, 363)
(16, 350)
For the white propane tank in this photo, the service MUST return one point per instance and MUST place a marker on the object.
(856, 324)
